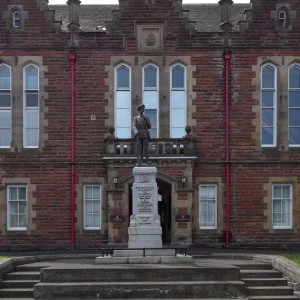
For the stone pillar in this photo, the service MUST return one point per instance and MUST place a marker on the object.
(145, 230)
(226, 24)
(73, 15)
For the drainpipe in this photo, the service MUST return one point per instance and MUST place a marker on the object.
(72, 57)
(227, 147)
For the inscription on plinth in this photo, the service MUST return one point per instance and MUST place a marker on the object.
(144, 200)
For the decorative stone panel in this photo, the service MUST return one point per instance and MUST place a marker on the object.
(150, 37)
(7, 15)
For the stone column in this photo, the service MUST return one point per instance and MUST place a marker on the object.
(145, 230)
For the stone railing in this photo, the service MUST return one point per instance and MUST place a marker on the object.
(167, 147)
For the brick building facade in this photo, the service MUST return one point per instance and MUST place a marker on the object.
(221, 84)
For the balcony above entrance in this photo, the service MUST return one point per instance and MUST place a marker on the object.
(161, 148)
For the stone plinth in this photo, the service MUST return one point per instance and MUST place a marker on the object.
(145, 230)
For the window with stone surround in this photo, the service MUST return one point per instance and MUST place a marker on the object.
(282, 206)
(123, 101)
(16, 19)
(268, 105)
(178, 101)
(17, 207)
(31, 107)
(294, 105)
(150, 97)
(5, 106)
(208, 206)
(92, 207)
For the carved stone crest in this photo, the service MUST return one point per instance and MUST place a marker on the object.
(150, 37)
(150, 40)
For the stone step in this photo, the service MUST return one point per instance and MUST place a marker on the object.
(260, 266)
(260, 274)
(143, 290)
(16, 298)
(273, 298)
(265, 281)
(20, 275)
(16, 293)
(9, 284)
(269, 291)
(29, 268)
(159, 273)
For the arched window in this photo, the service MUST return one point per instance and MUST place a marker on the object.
(178, 101)
(16, 19)
(294, 105)
(5, 106)
(282, 18)
(123, 101)
(268, 106)
(31, 107)
(150, 97)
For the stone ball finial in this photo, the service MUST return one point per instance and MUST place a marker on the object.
(111, 130)
(188, 129)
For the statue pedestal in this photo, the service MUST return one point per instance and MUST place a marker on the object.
(145, 230)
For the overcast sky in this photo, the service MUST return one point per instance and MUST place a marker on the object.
(117, 2)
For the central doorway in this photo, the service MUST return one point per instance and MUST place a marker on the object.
(164, 208)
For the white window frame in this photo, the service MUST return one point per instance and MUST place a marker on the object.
(8, 208)
(178, 89)
(291, 206)
(25, 108)
(14, 19)
(284, 19)
(216, 206)
(289, 90)
(274, 90)
(153, 90)
(84, 208)
(8, 108)
(120, 90)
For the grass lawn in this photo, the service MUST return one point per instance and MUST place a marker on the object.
(294, 257)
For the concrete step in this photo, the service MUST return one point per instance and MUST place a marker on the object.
(16, 293)
(143, 290)
(265, 281)
(269, 291)
(20, 275)
(10, 284)
(273, 298)
(260, 274)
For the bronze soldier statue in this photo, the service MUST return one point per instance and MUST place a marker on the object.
(140, 127)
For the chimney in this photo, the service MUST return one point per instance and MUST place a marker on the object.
(226, 24)
(73, 15)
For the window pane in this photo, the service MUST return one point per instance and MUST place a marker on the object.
(4, 78)
(89, 206)
(178, 77)
(123, 99)
(123, 118)
(32, 99)
(96, 192)
(178, 99)
(123, 77)
(5, 119)
(13, 221)
(294, 116)
(5, 137)
(177, 132)
(32, 137)
(286, 206)
(32, 119)
(294, 78)
(14, 207)
(294, 135)
(277, 192)
(267, 99)
(22, 207)
(153, 133)
(123, 133)
(22, 220)
(282, 15)
(268, 76)
(277, 206)
(286, 191)
(150, 77)
(5, 99)
(22, 193)
(294, 99)
(267, 117)
(88, 192)
(96, 206)
(267, 136)
(203, 207)
(286, 220)
(31, 78)
(89, 220)
(211, 192)
(150, 99)
(276, 219)
(152, 115)
(96, 220)
(178, 118)
(13, 193)
(211, 207)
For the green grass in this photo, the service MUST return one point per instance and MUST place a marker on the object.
(293, 257)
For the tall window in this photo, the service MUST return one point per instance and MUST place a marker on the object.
(268, 106)
(282, 206)
(31, 107)
(282, 18)
(208, 206)
(123, 101)
(16, 18)
(16, 207)
(178, 102)
(294, 106)
(92, 207)
(150, 97)
(5, 106)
